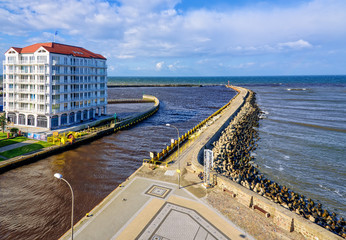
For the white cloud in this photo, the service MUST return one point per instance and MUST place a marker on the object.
(159, 66)
(46, 37)
(244, 65)
(156, 29)
(125, 56)
(296, 45)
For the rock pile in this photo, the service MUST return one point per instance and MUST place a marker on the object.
(232, 159)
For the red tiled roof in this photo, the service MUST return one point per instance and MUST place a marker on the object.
(17, 49)
(61, 49)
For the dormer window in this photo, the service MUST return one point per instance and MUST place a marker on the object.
(41, 51)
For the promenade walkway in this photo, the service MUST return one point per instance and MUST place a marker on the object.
(146, 208)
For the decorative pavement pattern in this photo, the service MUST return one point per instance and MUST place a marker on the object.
(158, 191)
(179, 223)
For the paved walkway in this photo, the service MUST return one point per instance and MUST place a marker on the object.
(146, 208)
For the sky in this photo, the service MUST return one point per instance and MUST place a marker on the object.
(188, 37)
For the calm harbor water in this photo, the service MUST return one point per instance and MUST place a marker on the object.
(302, 146)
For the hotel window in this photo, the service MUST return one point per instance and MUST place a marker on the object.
(56, 88)
(24, 59)
(56, 107)
(11, 59)
(41, 69)
(56, 97)
(55, 59)
(42, 59)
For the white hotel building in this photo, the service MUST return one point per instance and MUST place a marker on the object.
(50, 85)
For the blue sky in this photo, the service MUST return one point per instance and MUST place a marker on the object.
(189, 37)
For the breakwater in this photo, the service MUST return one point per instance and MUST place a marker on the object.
(159, 158)
(233, 161)
(102, 131)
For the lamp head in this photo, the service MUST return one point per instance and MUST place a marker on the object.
(58, 175)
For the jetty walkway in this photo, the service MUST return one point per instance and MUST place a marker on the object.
(151, 204)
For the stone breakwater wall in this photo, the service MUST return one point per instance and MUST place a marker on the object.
(46, 152)
(235, 174)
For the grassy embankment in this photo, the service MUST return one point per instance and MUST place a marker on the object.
(20, 150)
(7, 142)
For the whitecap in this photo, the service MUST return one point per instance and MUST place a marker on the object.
(263, 114)
(287, 157)
(338, 193)
(296, 89)
(281, 168)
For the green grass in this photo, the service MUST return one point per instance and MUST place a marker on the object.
(3, 135)
(6, 142)
(25, 149)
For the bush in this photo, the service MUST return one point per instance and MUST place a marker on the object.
(14, 130)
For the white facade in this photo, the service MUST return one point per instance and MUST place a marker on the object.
(50, 90)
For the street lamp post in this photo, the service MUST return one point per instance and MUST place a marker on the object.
(59, 176)
(170, 125)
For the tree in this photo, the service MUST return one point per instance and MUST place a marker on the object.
(3, 122)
